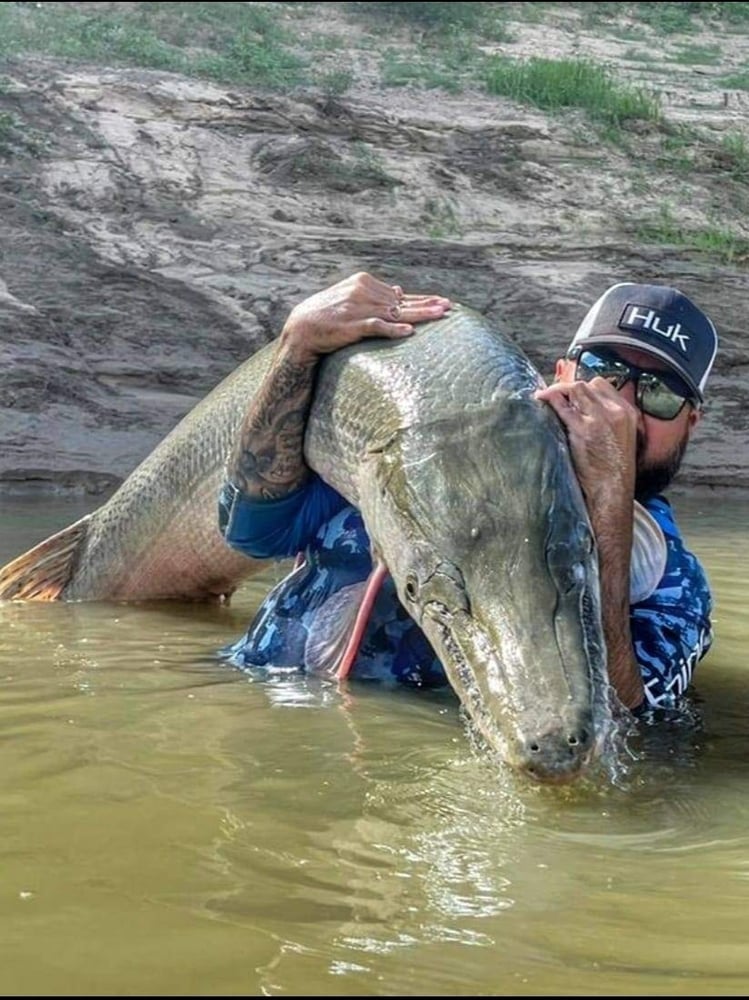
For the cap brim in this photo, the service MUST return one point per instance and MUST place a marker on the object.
(606, 339)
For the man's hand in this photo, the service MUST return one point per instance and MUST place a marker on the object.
(357, 307)
(267, 460)
(602, 431)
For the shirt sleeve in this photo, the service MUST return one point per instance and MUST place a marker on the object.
(268, 529)
(671, 629)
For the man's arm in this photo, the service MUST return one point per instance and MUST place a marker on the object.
(602, 431)
(271, 505)
(671, 629)
(267, 461)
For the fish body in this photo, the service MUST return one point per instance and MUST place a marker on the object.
(469, 497)
(157, 536)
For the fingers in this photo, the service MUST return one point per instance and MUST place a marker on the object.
(399, 320)
(376, 327)
(368, 295)
(583, 397)
(359, 306)
(399, 310)
(418, 308)
(416, 300)
(558, 399)
(422, 310)
(365, 285)
(571, 403)
(593, 413)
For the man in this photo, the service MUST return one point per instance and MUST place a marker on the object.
(629, 393)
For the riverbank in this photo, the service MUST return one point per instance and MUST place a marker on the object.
(159, 226)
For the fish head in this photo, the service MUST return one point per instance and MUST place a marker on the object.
(485, 532)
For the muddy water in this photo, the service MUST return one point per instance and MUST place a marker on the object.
(170, 827)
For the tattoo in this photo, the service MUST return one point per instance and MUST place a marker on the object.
(267, 461)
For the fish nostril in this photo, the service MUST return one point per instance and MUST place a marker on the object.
(579, 739)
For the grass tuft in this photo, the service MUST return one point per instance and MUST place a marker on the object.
(554, 84)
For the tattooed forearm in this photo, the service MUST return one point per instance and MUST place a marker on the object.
(612, 525)
(268, 460)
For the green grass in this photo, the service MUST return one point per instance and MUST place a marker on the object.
(229, 42)
(439, 45)
(732, 155)
(677, 147)
(668, 18)
(435, 23)
(684, 149)
(335, 82)
(717, 242)
(397, 70)
(697, 55)
(254, 43)
(426, 45)
(424, 15)
(323, 42)
(454, 65)
(555, 84)
(361, 171)
(440, 218)
(736, 81)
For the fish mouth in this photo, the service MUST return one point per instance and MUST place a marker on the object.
(542, 733)
(555, 753)
(557, 757)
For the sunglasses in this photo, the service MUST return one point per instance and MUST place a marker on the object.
(659, 394)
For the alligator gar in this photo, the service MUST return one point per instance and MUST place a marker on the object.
(469, 497)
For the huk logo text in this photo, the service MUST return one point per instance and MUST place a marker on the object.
(638, 318)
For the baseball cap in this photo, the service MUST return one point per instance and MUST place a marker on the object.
(656, 319)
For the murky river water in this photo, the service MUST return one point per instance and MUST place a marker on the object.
(170, 827)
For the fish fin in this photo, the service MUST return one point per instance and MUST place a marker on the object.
(331, 630)
(649, 555)
(42, 573)
(336, 633)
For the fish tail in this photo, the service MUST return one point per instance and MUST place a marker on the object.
(42, 573)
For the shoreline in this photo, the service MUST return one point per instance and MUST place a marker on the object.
(40, 488)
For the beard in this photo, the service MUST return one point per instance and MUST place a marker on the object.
(653, 479)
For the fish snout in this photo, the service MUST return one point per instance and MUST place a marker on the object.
(558, 755)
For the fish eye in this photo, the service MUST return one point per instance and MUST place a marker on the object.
(411, 588)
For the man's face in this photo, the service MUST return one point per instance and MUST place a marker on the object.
(660, 443)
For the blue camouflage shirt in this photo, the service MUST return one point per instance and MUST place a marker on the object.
(671, 629)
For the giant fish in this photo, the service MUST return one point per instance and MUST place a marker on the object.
(469, 498)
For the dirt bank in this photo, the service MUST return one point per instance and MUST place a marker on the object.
(156, 229)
